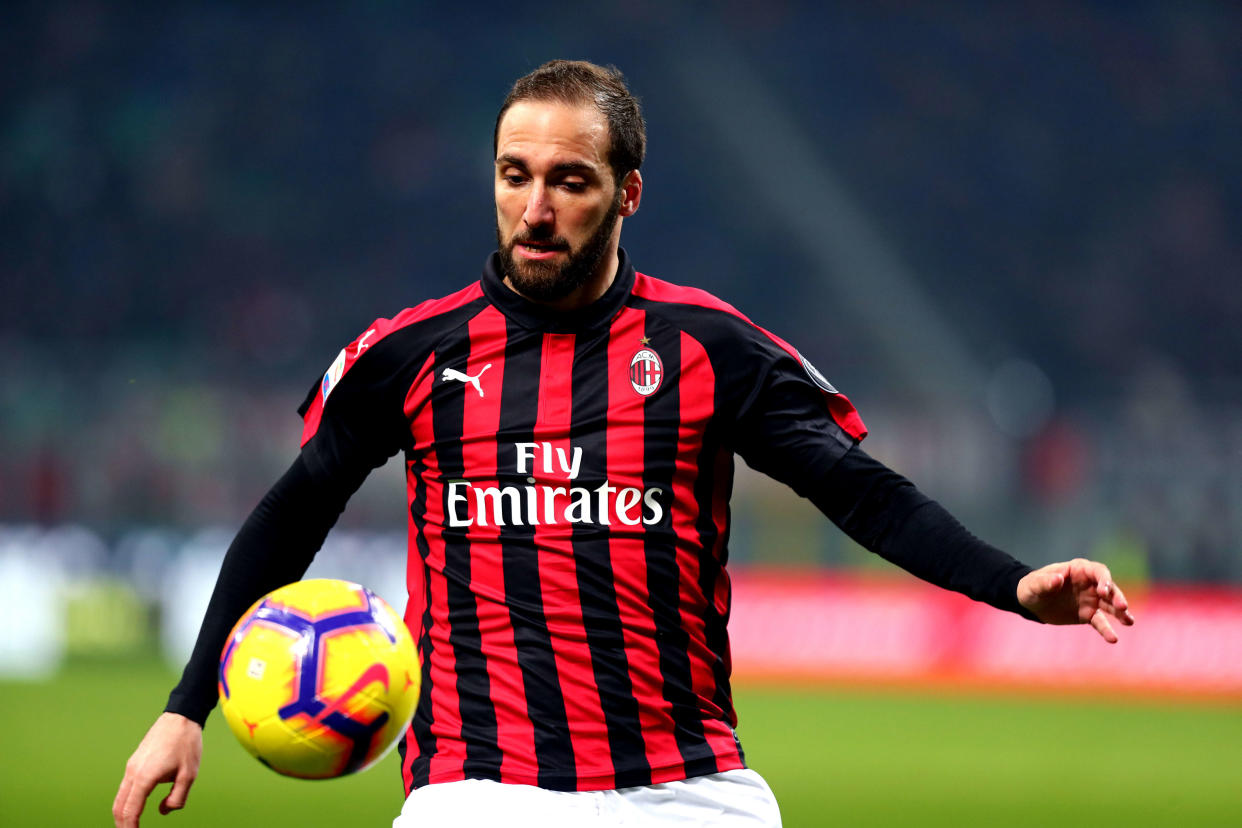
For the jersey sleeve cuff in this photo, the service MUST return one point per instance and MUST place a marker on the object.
(196, 710)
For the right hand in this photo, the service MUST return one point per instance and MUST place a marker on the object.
(170, 752)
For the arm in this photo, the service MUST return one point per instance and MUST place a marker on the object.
(792, 433)
(887, 514)
(342, 441)
(274, 547)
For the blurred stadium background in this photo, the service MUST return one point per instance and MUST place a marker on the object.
(1010, 233)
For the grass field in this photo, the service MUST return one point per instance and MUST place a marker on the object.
(834, 757)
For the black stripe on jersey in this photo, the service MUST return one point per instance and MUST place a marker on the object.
(716, 628)
(423, 717)
(545, 702)
(662, 419)
(478, 713)
(601, 617)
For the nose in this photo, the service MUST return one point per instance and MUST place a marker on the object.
(538, 209)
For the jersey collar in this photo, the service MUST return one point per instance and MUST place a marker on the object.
(540, 317)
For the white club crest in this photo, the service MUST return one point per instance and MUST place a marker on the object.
(646, 371)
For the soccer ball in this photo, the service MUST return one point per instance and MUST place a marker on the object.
(319, 679)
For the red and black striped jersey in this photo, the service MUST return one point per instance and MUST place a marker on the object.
(568, 484)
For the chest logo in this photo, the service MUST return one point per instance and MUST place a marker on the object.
(646, 371)
(454, 374)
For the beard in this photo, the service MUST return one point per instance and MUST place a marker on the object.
(548, 282)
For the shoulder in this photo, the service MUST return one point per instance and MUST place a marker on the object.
(660, 292)
(416, 330)
(758, 355)
(704, 315)
(430, 316)
(390, 350)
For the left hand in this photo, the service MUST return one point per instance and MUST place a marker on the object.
(1075, 592)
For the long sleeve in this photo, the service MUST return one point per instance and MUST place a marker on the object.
(274, 547)
(887, 514)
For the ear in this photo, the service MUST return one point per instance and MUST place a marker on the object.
(631, 193)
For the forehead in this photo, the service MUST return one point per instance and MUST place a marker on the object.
(553, 132)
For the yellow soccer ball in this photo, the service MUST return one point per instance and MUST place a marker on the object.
(319, 679)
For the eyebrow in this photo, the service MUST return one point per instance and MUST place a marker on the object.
(564, 166)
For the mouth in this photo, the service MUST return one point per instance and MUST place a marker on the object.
(538, 250)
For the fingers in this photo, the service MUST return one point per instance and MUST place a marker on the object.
(1049, 579)
(130, 800)
(1105, 588)
(1111, 598)
(122, 796)
(1091, 576)
(1099, 620)
(1117, 604)
(170, 752)
(175, 800)
(1052, 581)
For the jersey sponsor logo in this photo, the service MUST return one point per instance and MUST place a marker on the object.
(646, 371)
(333, 374)
(540, 504)
(816, 377)
(454, 374)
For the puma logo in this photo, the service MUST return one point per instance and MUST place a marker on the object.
(454, 374)
(362, 343)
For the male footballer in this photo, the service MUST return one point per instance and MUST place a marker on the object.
(568, 426)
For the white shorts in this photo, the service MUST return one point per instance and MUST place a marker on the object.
(730, 799)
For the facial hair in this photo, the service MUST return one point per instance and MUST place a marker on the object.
(548, 282)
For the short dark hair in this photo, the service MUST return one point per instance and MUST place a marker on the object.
(579, 82)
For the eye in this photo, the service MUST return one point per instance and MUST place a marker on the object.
(574, 186)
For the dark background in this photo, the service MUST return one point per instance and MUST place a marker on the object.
(1010, 233)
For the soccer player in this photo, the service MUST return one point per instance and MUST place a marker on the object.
(568, 426)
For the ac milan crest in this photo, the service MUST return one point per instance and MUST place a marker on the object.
(646, 371)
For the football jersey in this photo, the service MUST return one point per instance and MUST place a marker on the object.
(568, 479)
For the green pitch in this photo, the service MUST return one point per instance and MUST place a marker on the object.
(901, 759)
(833, 757)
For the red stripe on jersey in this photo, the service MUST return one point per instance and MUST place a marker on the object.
(515, 733)
(417, 409)
(698, 388)
(721, 491)
(378, 329)
(657, 290)
(562, 604)
(627, 551)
